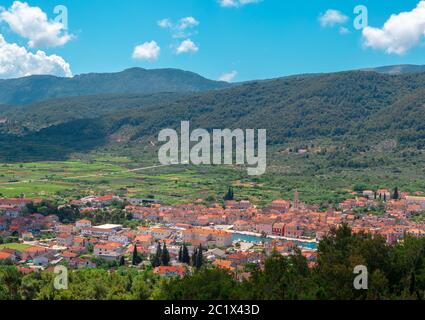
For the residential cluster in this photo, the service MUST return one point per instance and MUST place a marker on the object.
(234, 236)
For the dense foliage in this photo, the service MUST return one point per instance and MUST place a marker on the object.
(394, 272)
(135, 80)
(357, 110)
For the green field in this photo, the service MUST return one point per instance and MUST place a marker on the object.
(15, 246)
(313, 175)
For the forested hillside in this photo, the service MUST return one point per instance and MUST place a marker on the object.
(359, 108)
(136, 80)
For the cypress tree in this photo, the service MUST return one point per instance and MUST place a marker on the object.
(135, 259)
(199, 258)
(157, 259)
(181, 254)
(185, 255)
(194, 257)
(229, 195)
(122, 261)
(396, 194)
(165, 256)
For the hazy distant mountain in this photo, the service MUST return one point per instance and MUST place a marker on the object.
(399, 69)
(131, 81)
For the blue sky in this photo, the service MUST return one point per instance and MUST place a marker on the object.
(267, 39)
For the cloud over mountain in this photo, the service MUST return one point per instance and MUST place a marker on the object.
(33, 24)
(16, 61)
(147, 51)
(400, 33)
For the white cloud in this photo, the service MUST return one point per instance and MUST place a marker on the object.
(16, 61)
(400, 32)
(187, 22)
(343, 30)
(228, 76)
(165, 23)
(332, 17)
(187, 46)
(236, 3)
(32, 23)
(181, 28)
(147, 51)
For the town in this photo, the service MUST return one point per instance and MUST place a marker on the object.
(172, 240)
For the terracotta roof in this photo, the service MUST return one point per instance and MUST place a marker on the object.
(5, 255)
(181, 270)
(223, 264)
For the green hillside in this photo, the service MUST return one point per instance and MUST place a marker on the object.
(356, 110)
(136, 81)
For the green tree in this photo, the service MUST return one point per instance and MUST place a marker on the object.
(185, 257)
(157, 257)
(180, 259)
(199, 258)
(396, 194)
(194, 256)
(207, 284)
(135, 258)
(165, 256)
(229, 195)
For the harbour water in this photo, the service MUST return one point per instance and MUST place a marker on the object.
(256, 239)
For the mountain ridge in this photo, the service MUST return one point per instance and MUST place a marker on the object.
(37, 88)
(398, 69)
(344, 106)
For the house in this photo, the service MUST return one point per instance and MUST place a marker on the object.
(104, 200)
(369, 194)
(34, 251)
(80, 224)
(64, 239)
(64, 228)
(238, 258)
(119, 238)
(41, 260)
(79, 263)
(80, 242)
(161, 233)
(207, 237)
(140, 201)
(3, 223)
(10, 211)
(109, 251)
(280, 206)
(264, 227)
(414, 200)
(7, 256)
(171, 271)
(144, 240)
(278, 229)
(293, 230)
(224, 264)
(383, 194)
(104, 230)
(215, 253)
(68, 255)
(241, 225)
(27, 236)
(18, 202)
